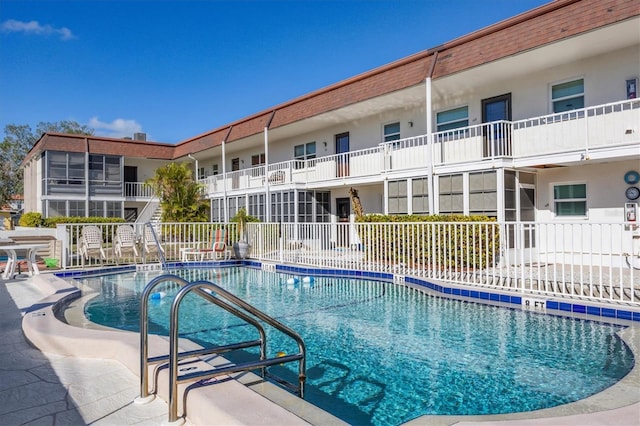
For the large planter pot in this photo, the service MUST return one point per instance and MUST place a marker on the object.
(241, 249)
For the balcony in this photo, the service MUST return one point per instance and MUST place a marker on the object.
(574, 133)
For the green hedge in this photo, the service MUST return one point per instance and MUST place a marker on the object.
(448, 245)
(53, 221)
(31, 219)
(34, 219)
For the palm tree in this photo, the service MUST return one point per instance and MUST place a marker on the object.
(180, 196)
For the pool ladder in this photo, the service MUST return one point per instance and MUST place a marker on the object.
(235, 306)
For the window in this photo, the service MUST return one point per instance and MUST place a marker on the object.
(510, 214)
(483, 193)
(217, 210)
(391, 132)
(305, 151)
(452, 119)
(570, 200)
(57, 208)
(96, 209)
(256, 206)
(258, 159)
(451, 194)
(214, 170)
(113, 209)
(323, 209)
(567, 96)
(76, 208)
(420, 195)
(64, 172)
(305, 206)
(104, 174)
(398, 197)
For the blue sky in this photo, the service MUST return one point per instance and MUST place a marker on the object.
(178, 68)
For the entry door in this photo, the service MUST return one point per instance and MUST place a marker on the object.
(130, 176)
(497, 136)
(235, 177)
(343, 211)
(342, 150)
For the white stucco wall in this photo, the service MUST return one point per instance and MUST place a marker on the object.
(605, 190)
(531, 94)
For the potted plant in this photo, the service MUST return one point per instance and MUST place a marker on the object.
(241, 247)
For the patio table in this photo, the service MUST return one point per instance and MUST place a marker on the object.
(12, 258)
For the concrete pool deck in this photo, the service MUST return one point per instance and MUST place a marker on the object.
(53, 388)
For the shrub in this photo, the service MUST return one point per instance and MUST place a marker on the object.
(436, 241)
(31, 219)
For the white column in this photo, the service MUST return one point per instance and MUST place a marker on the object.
(267, 201)
(429, 118)
(225, 203)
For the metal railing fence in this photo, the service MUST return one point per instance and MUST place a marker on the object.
(598, 261)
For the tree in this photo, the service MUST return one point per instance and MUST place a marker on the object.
(64, 126)
(180, 196)
(17, 142)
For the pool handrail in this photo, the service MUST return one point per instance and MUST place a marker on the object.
(201, 287)
(145, 361)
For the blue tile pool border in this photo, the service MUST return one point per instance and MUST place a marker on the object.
(479, 295)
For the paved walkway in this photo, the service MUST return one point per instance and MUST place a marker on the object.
(44, 389)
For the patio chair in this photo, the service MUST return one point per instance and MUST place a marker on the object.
(124, 242)
(90, 244)
(219, 243)
(150, 246)
(217, 248)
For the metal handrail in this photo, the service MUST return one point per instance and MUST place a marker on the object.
(145, 361)
(163, 260)
(214, 294)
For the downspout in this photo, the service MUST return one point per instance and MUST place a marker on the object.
(195, 160)
(429, 117)
(225, 202)
(86, 177)
(267, 202)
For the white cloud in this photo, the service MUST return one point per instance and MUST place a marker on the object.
(118, 128)
(34, 27)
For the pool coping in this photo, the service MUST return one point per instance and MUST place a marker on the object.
(40, 324)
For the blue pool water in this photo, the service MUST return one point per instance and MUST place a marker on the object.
(382, 354)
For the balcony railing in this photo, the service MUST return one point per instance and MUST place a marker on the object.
(138, 190)
(614, 124)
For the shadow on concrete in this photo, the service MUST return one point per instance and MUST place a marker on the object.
(30, 392)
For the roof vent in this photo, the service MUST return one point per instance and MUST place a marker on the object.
(140, 137)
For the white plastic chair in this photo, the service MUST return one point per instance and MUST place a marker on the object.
(124, 241)
(90, 244)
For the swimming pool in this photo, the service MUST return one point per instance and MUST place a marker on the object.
(380, 353)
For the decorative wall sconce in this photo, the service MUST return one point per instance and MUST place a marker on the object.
(411, 124)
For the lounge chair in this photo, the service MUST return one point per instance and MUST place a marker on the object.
(219, 243)
(90, 244)
(124, 242)
(216, 249)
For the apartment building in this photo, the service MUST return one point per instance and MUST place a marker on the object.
(535, 118)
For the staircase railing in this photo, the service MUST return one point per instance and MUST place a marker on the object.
(161, 257)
